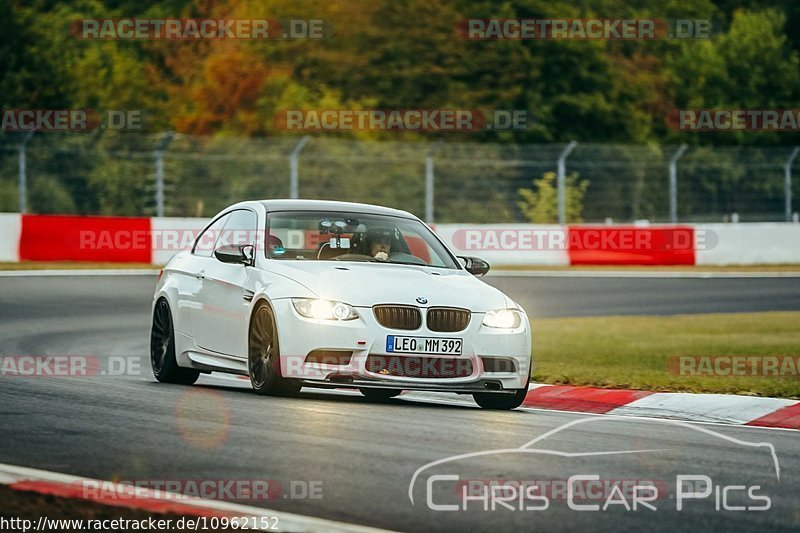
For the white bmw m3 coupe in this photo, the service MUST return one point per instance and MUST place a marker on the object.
(301, 293)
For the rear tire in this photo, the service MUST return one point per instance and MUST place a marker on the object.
(380, 395)
(162, 349)
(263, 356)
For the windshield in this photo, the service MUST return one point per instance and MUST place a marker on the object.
(338, 236)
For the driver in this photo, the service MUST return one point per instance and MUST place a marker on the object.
(379, 242)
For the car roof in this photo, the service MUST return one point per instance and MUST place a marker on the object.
(328, 205)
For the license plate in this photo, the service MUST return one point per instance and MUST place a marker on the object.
(427, 345)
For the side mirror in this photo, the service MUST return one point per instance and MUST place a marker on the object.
(237, 255)
(474, 265)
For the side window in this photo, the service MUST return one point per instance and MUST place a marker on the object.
(240, 229)
(204, 245)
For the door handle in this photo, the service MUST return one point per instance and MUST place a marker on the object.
(200, 275)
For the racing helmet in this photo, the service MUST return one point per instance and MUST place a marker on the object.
(379, 234)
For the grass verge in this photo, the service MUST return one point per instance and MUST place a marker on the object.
(633, 352)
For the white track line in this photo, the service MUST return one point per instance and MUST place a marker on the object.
(10, 474)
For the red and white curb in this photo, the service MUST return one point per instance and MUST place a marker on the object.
(159, 502)
(721, 408)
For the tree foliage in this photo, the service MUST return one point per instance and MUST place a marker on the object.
(396, 54)
(540, 205)
(406, 53)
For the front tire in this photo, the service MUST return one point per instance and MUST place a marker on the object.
(380, 395)
(501, 402)
(263, 356)
(162, 349)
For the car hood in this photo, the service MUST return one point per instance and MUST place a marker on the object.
(368, 284)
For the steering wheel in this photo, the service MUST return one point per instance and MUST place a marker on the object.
(406, 258)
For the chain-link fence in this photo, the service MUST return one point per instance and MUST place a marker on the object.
(179, 175)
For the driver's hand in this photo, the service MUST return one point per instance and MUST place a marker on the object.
(382, 256)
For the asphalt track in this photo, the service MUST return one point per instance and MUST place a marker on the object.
(365, 455)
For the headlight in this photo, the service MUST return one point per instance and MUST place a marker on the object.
(503, 319)
(324, 309)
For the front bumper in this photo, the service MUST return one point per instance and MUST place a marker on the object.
(483, 385)
(364, 336)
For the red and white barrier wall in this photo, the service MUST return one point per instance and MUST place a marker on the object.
(750, 244)
(10, 231)
(77, 238)
(155, 240)
(529, 244)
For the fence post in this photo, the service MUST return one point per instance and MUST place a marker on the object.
(294, 180)
(562, 182)
(787, 182)
(159, 157)
(429, 188)
(23, 173)
(673, 183)
(429, 178)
